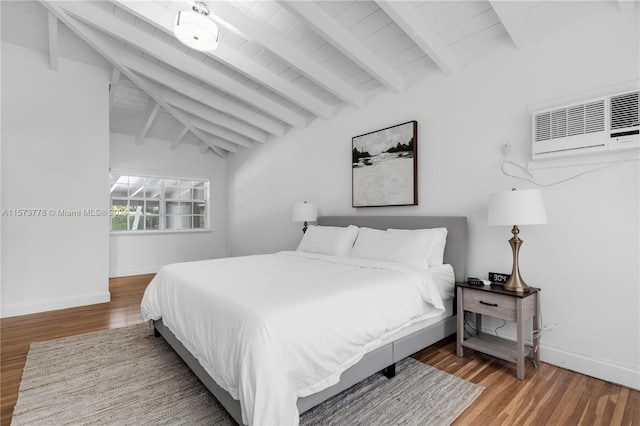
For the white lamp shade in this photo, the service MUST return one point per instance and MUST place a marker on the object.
(304, 212)
(196, 31)
(522, 207)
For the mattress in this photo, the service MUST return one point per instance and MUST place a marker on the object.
(417, 326)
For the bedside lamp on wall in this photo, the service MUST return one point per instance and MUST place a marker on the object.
(515, 208)
(304, 212)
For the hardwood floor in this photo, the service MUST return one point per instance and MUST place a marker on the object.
(548, 396)
(17, 333)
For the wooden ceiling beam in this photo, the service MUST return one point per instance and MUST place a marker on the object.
(227, 15)
(161, 18)
(119, 29)
(212, 129)
(244, 132)
(404, 14)
(111, 51)
(344, 41)
(512, 22)
(150, 115)
(214, 141)
(196, 114)
(197, 93)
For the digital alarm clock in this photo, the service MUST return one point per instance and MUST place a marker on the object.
(497, 278)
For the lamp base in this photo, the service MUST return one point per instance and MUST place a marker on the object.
(515, 281)
(516, 284)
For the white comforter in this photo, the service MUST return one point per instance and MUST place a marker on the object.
(272, 328)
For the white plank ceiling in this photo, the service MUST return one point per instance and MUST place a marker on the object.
(280, 64)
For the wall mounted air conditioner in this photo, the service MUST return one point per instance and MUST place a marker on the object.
(604, 124)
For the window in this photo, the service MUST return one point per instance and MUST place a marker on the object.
(152, 203)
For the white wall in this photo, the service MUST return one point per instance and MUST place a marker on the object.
(55, 151)
(141, 254)
(586, 260)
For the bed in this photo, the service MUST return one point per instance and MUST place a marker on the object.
(253, 375)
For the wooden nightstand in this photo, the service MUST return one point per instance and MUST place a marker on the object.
(511, 306)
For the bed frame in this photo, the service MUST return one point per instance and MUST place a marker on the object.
(381, 359)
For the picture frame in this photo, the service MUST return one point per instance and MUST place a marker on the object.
(385, 167)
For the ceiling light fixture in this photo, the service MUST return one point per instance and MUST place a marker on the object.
(195, 29)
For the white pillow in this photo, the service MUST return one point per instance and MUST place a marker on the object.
(438, 237)
(411, 248)
(331, 240)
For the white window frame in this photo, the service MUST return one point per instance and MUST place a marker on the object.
(115, 179)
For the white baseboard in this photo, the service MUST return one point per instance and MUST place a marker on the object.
(134, 271)
(55, 304)
(585, 364)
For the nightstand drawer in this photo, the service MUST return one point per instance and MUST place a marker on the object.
(495, 305)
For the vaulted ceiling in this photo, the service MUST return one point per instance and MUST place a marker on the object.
(279, 64)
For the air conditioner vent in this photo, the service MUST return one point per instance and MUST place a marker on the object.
(624, 111)
(576, 120)
(558, 123)
(543, 127)
(571, 121)
(594, 117)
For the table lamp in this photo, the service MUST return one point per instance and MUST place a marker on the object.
(304, 212)
(515, 208)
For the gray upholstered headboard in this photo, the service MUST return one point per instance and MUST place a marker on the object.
(455, 252)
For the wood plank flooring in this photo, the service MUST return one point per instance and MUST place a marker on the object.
(17, 333)
(548, 396)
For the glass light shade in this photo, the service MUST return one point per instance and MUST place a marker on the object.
(521, 207)
(304, 212)
(196, 31)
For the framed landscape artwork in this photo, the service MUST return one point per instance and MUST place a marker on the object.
(385, 167)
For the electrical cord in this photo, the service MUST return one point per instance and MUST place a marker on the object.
(538, 332)
(471, 329)
(530, 178)
(498, 328)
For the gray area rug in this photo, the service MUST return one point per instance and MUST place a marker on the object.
(127, 376)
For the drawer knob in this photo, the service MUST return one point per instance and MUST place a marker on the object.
(495, 305)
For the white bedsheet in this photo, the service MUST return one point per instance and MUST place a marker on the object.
(272, 328)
